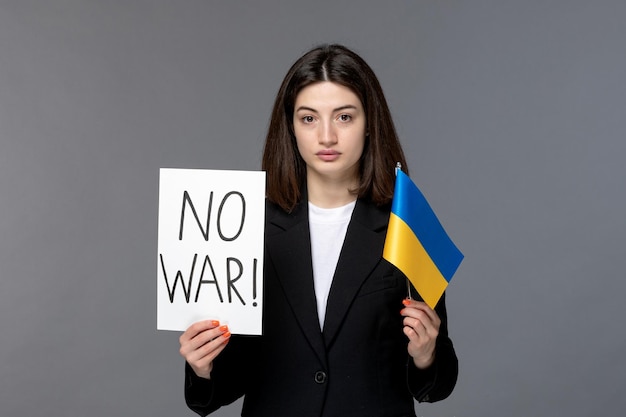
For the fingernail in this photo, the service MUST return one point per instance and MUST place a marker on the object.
(406, 302)
(226, 336)
(224, 328)
(215, 323)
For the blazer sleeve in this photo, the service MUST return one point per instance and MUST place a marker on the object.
(226, 385)
(436, 382)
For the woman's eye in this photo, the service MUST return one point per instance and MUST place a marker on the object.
(307, 119)
(345, 117)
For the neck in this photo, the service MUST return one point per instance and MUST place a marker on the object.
(330, 194)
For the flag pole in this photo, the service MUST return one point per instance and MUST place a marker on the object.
(408, 283)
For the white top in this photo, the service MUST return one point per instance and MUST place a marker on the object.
(328, 230)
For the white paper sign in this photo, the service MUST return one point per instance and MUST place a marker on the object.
(210, 260)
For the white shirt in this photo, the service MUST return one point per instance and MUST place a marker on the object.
(328, 231)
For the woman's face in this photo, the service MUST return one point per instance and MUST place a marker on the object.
(329, 124)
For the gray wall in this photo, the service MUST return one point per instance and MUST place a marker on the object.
(511, 112)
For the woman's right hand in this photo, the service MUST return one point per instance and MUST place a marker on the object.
(201, 343)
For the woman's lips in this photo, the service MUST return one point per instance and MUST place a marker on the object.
(328, 155)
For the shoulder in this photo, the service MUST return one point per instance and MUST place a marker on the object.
(370, 215)
(276, 218)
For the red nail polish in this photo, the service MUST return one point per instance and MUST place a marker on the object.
(406, 302)
(215, 323)
(224, 328)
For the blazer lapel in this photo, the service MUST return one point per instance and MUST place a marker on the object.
(362, 251)
(289, 246)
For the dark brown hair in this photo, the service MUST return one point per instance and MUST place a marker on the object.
(285, 168)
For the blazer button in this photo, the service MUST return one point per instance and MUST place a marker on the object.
(320, 377)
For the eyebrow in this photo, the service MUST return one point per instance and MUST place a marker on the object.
(345, 107)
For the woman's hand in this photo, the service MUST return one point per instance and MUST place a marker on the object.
(421, 326)
(201, 343)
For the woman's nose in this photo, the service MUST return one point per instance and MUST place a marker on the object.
(327, 136)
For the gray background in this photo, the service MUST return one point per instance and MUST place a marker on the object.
(511, 112)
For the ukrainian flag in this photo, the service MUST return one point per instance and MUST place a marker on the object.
(417, 244)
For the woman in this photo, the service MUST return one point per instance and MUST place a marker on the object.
(340, 336)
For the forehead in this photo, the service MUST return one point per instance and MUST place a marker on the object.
(326, 93)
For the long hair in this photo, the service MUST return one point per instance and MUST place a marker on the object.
(285, 168)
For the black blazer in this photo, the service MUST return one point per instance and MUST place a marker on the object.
(358, 365)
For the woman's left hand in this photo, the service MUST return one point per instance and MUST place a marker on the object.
(421, 326)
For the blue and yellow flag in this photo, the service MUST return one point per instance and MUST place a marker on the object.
(417, 244)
